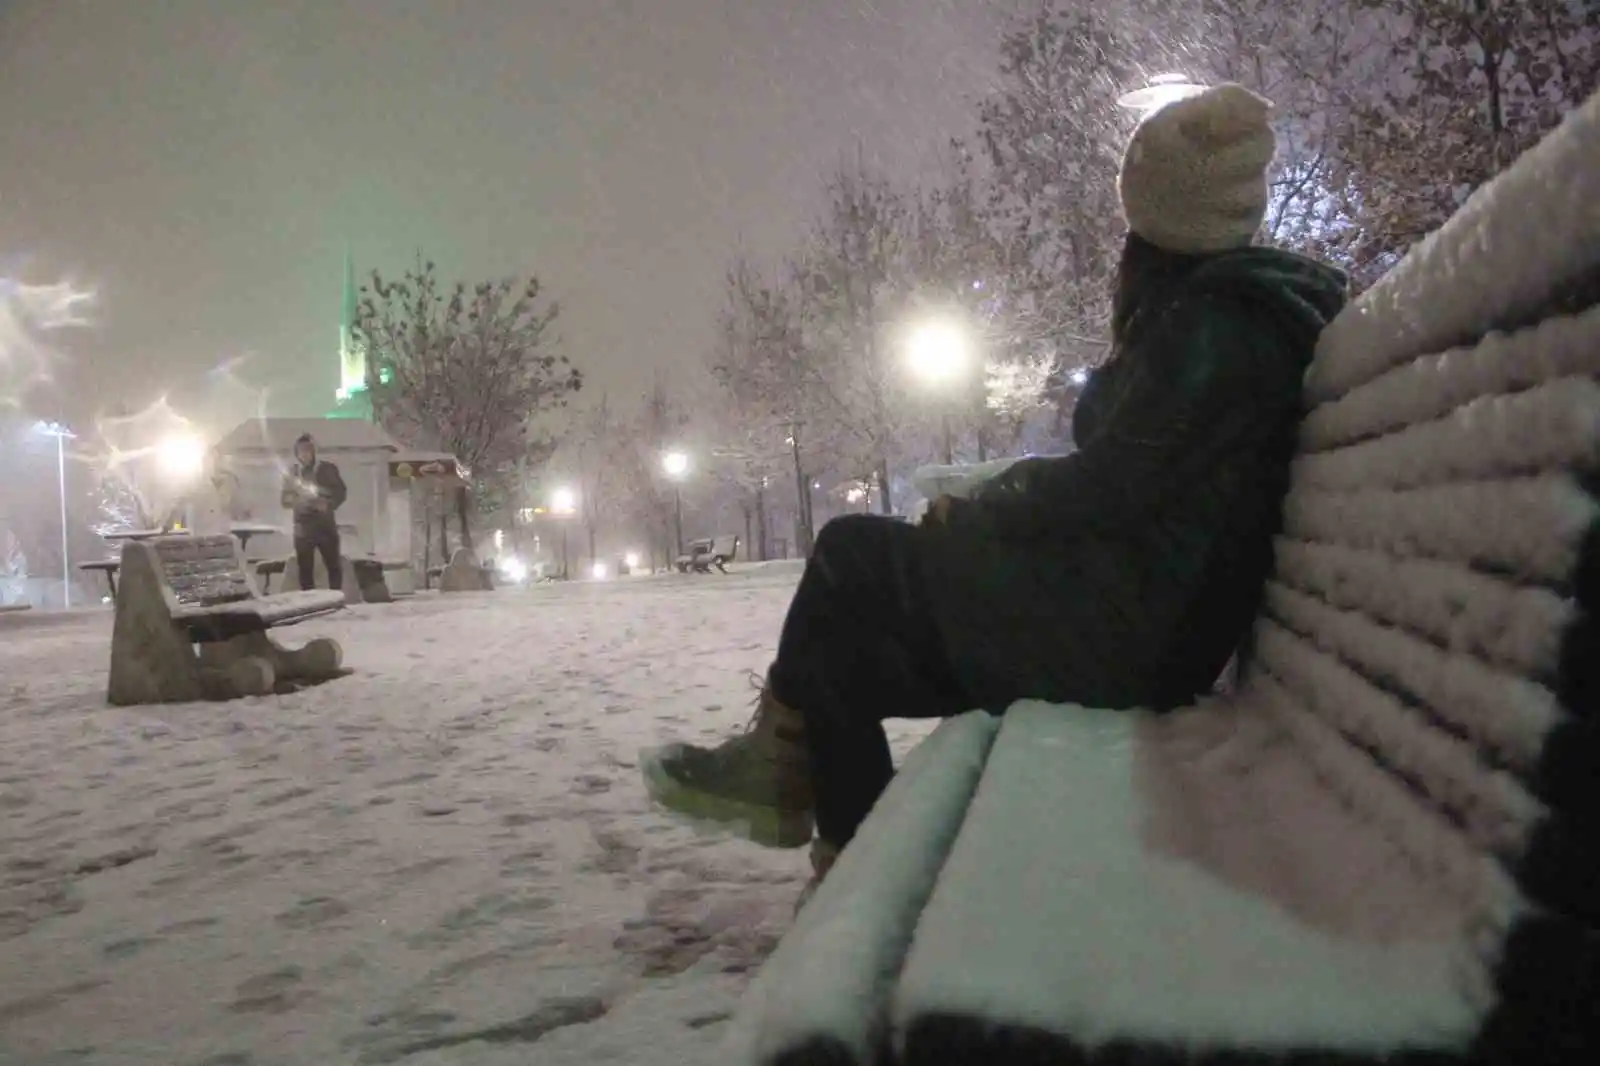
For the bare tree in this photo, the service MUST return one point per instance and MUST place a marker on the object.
(854, 280)
(468, 371)
(1051, 137)
(769, 390)
(657, 427)
(1469, 86)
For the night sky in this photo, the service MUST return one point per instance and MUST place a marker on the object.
(203, 164)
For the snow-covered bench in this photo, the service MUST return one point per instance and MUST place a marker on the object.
(707, 552)
(191, 625)
(1384, 845)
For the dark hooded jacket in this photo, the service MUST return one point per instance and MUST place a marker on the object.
(310, 522)
(1127, 573)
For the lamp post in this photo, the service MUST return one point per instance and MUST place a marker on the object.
(563, 504)
(940, 353)
(676, 465)
(61, 433)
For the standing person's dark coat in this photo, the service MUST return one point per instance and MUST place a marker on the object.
(315, 491)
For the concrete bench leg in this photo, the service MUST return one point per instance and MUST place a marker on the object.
(254, 663)
(151, 661)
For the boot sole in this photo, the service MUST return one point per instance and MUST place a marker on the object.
(758, 823)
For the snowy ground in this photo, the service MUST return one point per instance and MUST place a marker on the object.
(445, 858)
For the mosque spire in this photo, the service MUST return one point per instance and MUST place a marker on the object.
(352, 361)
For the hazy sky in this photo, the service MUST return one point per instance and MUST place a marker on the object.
(202, 163)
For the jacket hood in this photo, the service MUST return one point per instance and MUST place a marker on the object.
(1306, 293)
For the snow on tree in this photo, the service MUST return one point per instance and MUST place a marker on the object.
(470, 371)
(603, 455)
(853, 278)
(1052, 137)
(1303, 57)
(767, 397)
(968, 268)
(1469, 85)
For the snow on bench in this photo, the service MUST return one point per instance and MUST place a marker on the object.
(1382, 846)
(180, 592)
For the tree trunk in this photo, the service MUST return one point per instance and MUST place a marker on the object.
(461, 515)
(761, 524)
(444, 529)
(591, 545)
(745, 507)
(427, 542)
(885, 494)
(802, 502)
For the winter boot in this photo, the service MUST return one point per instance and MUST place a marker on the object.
(758, 783)
(823, 856)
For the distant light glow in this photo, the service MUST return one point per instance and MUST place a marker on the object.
(675, 463)
(1080, 376)
(182, 457)
(939, 350)
(600, 571)
(514, 569)
(632, 560)
(563, 501)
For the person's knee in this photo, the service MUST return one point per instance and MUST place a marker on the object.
(847, 529)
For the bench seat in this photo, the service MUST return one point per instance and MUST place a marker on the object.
(1203, 894)
(279, 609)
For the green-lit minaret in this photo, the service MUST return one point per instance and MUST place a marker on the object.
(353, 401)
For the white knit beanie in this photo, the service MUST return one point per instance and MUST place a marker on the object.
(1194, 178)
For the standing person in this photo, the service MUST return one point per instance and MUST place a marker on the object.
(1123, 575)
(314, 490)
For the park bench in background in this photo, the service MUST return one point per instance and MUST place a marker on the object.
(191, 625)
(701, 555)
(1382, 846)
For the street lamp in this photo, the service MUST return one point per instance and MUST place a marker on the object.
(940, 352)
(676, 464)
(61, 434)
(563, 504)
(182, 457)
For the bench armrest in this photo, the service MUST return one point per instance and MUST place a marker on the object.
(826, 990)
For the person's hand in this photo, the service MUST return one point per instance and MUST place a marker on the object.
(938, 512)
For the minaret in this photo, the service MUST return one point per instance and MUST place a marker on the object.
(352, 361)
(351, 394)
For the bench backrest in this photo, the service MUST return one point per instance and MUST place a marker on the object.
(725, 546)
(1429, 639)
(204, 570)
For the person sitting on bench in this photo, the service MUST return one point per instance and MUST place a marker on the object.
(1123, 575)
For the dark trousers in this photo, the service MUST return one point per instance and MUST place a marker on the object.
(307, 542)
(860, 645)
